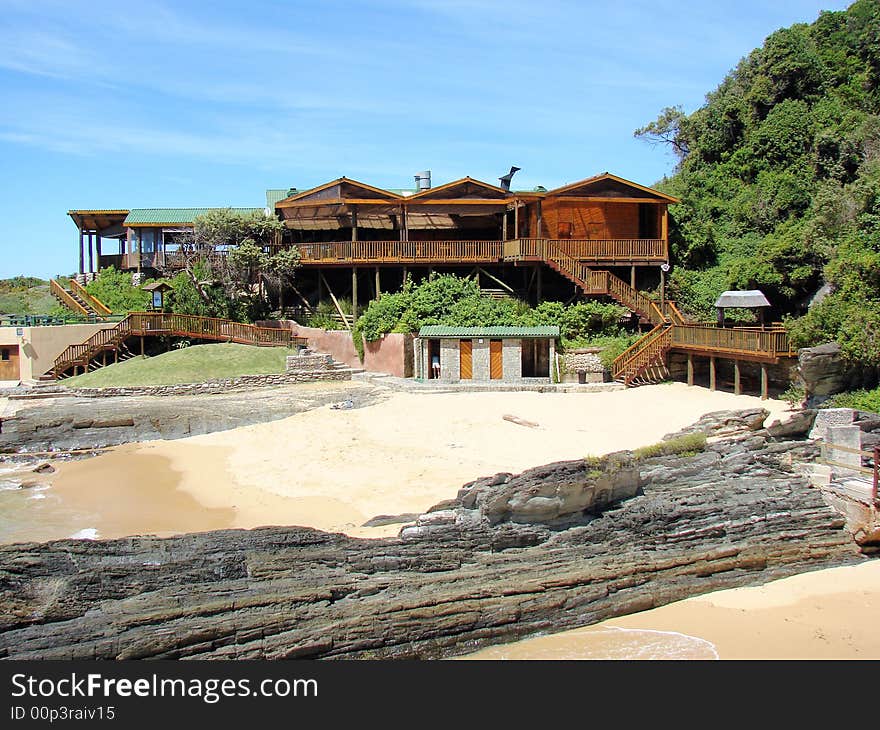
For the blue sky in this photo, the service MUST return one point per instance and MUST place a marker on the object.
(139, 104)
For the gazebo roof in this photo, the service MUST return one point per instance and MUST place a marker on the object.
(746, 299)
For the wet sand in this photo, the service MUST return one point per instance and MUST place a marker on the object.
(336, 469)
(824, 614)
(106, 498)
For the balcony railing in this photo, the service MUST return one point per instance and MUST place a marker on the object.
(604, 250)
(771, 342)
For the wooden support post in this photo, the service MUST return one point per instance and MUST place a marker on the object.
(504, 226)
(404, 276)
(354, 294)
(91, 256)
(764, 394)
(516, 219)
(690, 368)
(632, 276)
(539, 283)
(712, 372)
(82, 268)
(539, 224)
(104, 358)
(378, 284)
(320, 288)
(142, 345)
(115, 355)
(737, 390)
(97, 250)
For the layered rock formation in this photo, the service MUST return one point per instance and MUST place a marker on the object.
(733, 514)
(91, 423)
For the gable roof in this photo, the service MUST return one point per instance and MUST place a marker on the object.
(373, 192)
(596, 181)
(467, 183)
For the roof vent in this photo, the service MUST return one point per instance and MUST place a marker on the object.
(423, 180)
(505, 181)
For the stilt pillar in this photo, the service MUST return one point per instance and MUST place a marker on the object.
(91, 256)
(712, 372)
(538, 283)
(82, 265)
(764, 388)
(115, 355)
(142, 345)
(737, 390)
(690, 368)
(378, 284)
(632, 276)
(97, 251)
(354, 293)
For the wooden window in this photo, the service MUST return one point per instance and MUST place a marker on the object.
(5, 354)
(564, 229)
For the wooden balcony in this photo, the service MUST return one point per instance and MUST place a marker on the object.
(743, 343)
(608, 252)
(393, 252)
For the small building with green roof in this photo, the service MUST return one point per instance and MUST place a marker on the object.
(485, 354)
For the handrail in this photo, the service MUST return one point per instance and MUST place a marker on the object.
(770, 342)
(637, 344)
(59, 291)
(399, 251)
(182, 325)
(93, 301)
(653, 345)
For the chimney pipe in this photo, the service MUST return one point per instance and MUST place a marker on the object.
(423, 180)
(505, 181)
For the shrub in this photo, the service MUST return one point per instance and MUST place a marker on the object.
(687, 445)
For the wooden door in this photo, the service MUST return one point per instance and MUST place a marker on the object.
(9, 362)
(466, 348)
(496, 368)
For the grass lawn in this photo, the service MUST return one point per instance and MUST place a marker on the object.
(192, 364)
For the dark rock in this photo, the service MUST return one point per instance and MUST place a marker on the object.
(823, 372)
(382, 520)
(725, 423)
(458, 583)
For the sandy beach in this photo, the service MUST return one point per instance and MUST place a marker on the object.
(336, 469)
(824, 614)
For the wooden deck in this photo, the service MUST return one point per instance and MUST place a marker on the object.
(157, 324)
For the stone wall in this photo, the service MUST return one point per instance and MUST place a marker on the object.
(308, 363)
(511, 360)
(586, 359)
(449, 360)
(225, 385)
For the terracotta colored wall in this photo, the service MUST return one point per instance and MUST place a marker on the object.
(393, 354)
(592, 220)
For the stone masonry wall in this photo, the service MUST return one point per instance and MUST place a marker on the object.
(449, 360)
(511, 360)
(243, 382)
(480, 359)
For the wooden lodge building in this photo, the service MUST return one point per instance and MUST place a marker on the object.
(357, 240)
(602, 236)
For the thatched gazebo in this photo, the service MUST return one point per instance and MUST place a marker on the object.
(750, 299)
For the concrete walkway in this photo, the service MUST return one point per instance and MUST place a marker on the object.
(411, 385)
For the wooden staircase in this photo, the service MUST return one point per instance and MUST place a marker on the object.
(79, 301)
(92, 353)
(645, 361)
(603, 283)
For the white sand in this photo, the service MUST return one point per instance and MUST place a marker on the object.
(824, 614)
(335, 469)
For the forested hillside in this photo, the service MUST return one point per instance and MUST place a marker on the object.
(779, 180)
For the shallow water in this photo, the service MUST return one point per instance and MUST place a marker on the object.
(91, 499)
(607, 642)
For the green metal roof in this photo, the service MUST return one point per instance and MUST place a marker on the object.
(175, 216)
(440, 330)
(275, 195)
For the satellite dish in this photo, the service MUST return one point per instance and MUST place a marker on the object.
(665, 267)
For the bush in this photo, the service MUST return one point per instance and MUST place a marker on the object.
(115, 290)
(862, 400)
(687, 445)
